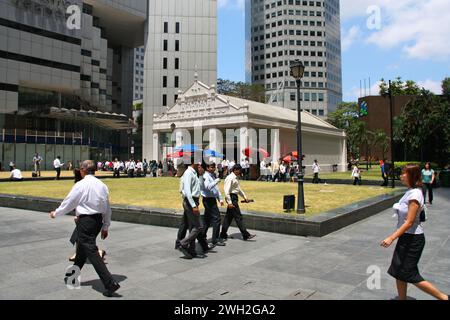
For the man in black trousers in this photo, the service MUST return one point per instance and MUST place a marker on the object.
(232, 192)
(211, 194)
(191, 191)
(90, 200)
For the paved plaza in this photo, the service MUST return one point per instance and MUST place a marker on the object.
(34, 253)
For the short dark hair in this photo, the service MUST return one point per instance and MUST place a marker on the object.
(211, 165)
(414, 176)
(237, 167)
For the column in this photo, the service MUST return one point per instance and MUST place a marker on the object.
(156, 146)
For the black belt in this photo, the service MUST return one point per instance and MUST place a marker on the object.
(89, 215)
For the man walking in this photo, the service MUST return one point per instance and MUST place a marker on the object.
(316, 170)
(191, 200)
(90, 199)
(37, 159)
(57, 164)
(116, 168)
(232, 192)
(211, 195)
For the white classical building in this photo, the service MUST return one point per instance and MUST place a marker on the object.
(230, 125)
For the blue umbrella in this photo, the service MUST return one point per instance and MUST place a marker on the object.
(213, 154)
(187, 148)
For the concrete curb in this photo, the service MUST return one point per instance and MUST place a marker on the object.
(317, 226)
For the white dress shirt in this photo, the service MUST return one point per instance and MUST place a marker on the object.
(88, 197)
(57, 164)
(16, 174)
(316, 168)
(191, 186)
(232, 187)
(210, 188)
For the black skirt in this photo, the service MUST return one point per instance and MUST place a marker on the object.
(406, 258)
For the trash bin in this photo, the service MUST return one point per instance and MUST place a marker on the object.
(335, 167)
(444, 179)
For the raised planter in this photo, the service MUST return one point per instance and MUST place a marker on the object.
(316, 226)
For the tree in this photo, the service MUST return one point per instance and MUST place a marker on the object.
(254, 92)
(399, 87)
(384, 88)
(411, 88)
(381, 140)
(346, 117)
(446, 87)
(425, 126)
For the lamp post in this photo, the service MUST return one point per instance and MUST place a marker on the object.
(391, 106)
(297, 71)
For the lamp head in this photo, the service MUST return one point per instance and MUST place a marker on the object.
(297, 69)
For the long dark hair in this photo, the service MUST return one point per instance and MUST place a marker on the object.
(77, 174)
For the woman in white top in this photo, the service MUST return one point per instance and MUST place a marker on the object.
(356, 175)
(411, 238)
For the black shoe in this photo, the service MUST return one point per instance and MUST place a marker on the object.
(177, 245)
(200, 256)
(186, 253)
(220, 244)
(212, 246)
(110, 292)
(250, 237)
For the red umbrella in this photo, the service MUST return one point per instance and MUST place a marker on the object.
(248, 151)
(178, 154)
(289, 159)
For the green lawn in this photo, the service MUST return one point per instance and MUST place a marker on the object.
(373, 174)
(163, 193)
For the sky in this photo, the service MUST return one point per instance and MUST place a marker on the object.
(380, 39)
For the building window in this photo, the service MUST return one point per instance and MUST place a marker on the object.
(177, 45)
(164, 63)
(175, 98)
(166, 27)
(165, 45)
(176, 82)
(177, 63)
(177, 27)
(164, 81)
(321, 113)
(293, 96)
(164, 100)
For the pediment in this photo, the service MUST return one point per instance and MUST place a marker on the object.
(199, 101)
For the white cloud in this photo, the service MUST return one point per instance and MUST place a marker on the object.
(433, 86)
(231, 4)
(420, 28)
(350, 36)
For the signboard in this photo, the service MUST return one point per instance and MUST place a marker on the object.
(363, 109)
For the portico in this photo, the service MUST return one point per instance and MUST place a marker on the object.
(229, 125)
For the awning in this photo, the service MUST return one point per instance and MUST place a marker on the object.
(111, 121)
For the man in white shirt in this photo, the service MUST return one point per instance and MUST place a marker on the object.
(282, 172)
(191, 200)
(211, 194)
(116, 168)
(131, 168)
(232, 192)
(245, 164)
(262, 171)
(90, 200)
(57, 164)
(37, 159)
(16, 175)
(316, 170)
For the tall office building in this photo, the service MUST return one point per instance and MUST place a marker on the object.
(280, 31)
(67, 91)
(181, 42)
(138, 81)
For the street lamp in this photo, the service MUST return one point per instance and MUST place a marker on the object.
(391, 106)
(297, 71)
